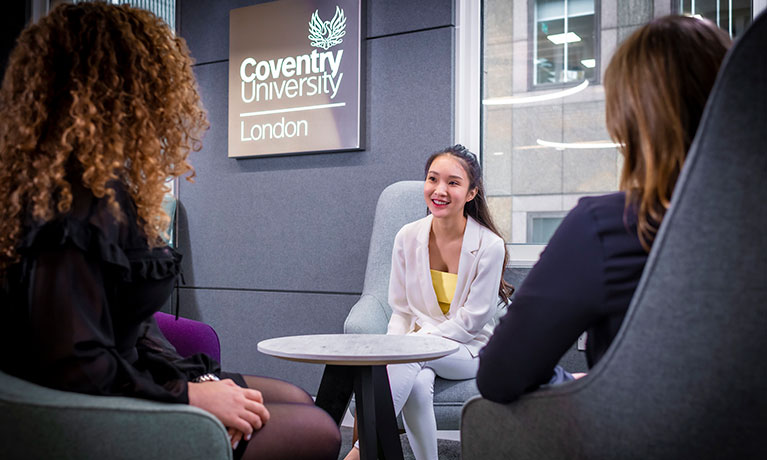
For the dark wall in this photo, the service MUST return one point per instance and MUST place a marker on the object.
(278, 246)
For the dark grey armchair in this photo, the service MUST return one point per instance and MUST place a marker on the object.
(685, 377)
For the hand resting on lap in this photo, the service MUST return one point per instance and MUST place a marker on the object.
(241, 410)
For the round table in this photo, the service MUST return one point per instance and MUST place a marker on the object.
(357, 363)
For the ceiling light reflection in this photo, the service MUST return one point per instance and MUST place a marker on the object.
(511, 100)
(578, 145)
(559, 39)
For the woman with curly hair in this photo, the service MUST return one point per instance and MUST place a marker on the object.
(99, 110)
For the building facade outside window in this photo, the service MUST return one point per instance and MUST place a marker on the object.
(543, 135)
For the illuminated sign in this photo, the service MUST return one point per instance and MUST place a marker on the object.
(294, 77)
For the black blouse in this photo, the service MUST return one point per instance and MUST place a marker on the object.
(584, 281)
(78, 307)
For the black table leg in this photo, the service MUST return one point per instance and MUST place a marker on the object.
(377, 425)
(366, 412)
(389, 446)
(335, 391)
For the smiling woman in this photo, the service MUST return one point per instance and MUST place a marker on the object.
(446, 189)
(446, 280)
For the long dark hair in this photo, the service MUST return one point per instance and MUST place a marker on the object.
(476, 208)
(656, 87)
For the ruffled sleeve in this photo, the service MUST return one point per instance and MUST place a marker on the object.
(87, 296)
(84, 236)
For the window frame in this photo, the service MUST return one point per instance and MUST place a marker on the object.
(532, 215)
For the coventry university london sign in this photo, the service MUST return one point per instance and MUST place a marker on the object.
(294, 77)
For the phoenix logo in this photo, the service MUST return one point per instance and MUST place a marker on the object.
(326, 34)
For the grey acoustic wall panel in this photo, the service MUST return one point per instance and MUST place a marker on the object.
(296, 223)
(208, 34)
(303, 222)
(410, 98)
(243, 318)
(386, 17)
(204, 24)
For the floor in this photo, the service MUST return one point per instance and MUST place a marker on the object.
(448, 443)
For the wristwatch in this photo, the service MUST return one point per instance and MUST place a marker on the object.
(205, 378)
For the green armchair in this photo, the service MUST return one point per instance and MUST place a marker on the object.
(39, 422)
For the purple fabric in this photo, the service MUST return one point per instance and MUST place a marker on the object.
(189, 336)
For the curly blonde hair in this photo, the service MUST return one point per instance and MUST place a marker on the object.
(94, 93)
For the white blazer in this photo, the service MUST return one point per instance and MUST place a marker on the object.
(411, 292)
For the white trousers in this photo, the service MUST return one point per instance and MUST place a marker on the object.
(412, 390)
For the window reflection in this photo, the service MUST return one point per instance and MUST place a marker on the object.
(544, 141)
(565, 41)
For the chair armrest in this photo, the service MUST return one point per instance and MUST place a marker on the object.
(40, 422)
(545, 424)
(367, 316)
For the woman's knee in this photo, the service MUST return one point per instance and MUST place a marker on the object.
(422, 393)
(404, 371)
(459, 366)
(296, 431)
(278, 391)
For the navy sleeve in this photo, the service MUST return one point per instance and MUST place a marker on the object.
(557, 301)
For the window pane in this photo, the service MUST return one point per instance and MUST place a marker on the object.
(542, 227)
(530, 183)
(565, 41)
(544, 141)
(731, 15)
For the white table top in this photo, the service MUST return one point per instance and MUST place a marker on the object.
(358, 349)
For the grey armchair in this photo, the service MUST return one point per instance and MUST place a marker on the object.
(685, 376)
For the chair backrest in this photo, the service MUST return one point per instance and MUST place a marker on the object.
(399, 203)
(686, 375)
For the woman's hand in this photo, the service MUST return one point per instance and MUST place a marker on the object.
(241, 410)
(235, 437)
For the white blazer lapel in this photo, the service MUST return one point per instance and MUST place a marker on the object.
(469, 249)
(424, 266)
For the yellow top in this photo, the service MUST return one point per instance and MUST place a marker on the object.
(444, 286)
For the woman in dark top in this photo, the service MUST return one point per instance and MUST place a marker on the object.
(99, 109)
(656, 87)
